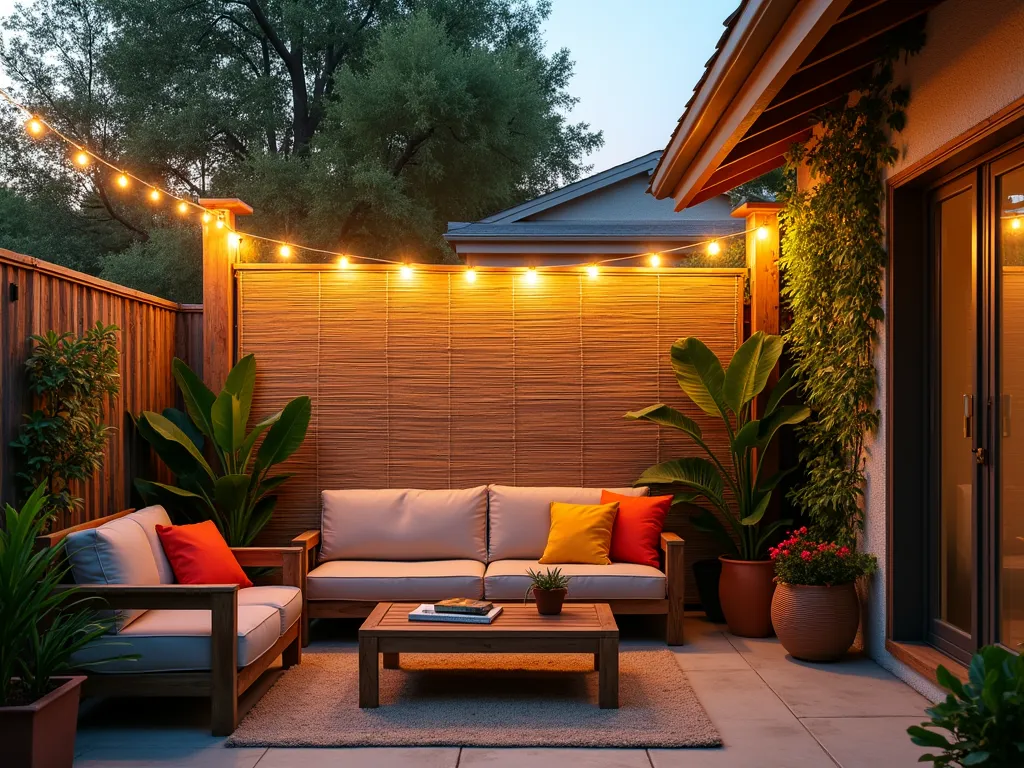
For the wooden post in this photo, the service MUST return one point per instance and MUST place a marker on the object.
(220, 252)
(763, 262)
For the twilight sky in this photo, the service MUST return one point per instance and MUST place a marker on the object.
(636, 64)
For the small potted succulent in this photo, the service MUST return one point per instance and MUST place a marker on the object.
(549, 589)
(815, 609)
(41, 627)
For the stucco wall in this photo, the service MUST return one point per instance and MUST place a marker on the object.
(970, 68)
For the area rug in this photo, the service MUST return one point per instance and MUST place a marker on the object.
(480, 700)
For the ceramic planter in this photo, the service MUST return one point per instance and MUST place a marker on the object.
(706, 575)
(746, 589)
(549, 601)
(42, 734)
(816, 623)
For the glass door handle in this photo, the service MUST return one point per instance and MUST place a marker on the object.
(968, 414)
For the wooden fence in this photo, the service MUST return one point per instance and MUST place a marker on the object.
(38, 296)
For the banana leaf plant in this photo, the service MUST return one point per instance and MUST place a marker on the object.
(235, 488)
(727, 393)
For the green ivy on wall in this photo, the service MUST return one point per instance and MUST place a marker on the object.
(833, 256)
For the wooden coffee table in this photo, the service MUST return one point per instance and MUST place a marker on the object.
(580, 628)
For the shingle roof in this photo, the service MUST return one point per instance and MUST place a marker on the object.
(603, 230)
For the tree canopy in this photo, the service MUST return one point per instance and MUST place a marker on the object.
(355, 125)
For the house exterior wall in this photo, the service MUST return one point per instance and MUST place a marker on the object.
(970, 68)
(628, 201)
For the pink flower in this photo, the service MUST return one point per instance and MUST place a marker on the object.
(805, 555)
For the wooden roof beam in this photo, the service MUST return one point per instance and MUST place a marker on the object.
(740, 165)
(709, 191)
(807, 103)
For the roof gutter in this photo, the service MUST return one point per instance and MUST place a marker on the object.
(767, 43)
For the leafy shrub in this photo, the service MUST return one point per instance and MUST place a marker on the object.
(984, 717)
(804, 561)
(62, 440)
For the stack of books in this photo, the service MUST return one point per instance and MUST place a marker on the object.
(457, 610)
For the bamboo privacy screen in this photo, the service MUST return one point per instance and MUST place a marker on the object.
(436, 382)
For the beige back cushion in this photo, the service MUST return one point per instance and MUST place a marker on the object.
(404, 524)
(118, 552)
(520, 517)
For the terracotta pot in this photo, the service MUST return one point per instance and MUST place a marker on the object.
(42, 734)
(816, 623)
(549, 601)
(745, 590)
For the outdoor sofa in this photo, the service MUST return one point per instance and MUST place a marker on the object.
(189, 640)
(403, 545)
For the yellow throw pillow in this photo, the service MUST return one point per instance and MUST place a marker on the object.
(580, 533)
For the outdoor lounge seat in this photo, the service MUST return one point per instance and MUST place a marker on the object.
(189, 640)
(404, 545)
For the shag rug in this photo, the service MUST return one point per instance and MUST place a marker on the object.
(479, 700)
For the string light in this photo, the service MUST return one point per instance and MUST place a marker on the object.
(343, 262)
(220, 224)
(82, 159)
(35, 126)
(1015, 223)
(234, 239)
(531, 275)
(714, 248)
(285, 251)
(470, 275)
(122, 181)
(154, 195)
(762, 233)
(206, 217)
(592, 271)
(183, 207)
(654, 260)
(406, 271)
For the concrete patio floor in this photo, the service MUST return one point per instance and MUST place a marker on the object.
(772, 712)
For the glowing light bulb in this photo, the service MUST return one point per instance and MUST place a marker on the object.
(220, 223)
(1015, 222)
(343, 262)
(206, 217)
(762, 233)
(405, 271)
(592, 271)
(234, 239)
(154, 195)
(182, 207)
(470, 275)
(122, 181)
(531, 275)
(35, 127)
(655, 260)
(714, 248)
(285, 251)
(82, 159)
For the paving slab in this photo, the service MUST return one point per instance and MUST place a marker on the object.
(531, 758)
(362, 757)
(867, 742)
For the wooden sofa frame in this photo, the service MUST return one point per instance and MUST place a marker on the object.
(673, 551)
(225, 683)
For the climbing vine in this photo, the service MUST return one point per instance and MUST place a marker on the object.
(833, 257)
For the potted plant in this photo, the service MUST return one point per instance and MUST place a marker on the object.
(41, 626)
(984, 717)
(236, 489)
(549, 589)
(815, 609)
(731, 482)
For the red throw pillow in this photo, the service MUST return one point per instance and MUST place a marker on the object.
(637, 529)
(199, 555)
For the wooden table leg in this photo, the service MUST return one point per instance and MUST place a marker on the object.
(608, 679)
(369, 674)
(390, 660)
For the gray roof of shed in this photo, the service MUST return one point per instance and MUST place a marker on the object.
(604, 230)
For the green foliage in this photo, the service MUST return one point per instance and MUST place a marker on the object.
(169, 264)
(236, 493)
(766, 188)
(548, 580)
(984, 717)
(732, 485)
(40, 626)
(832, 259)
(362, 125)
(71, 380)
(802, 560)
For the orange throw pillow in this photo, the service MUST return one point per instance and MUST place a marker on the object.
(199, 555)
(637, 531)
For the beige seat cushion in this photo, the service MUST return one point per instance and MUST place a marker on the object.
(382, 580)
(179, 641)
(287, 601)
(507, 580)
(404, 524)
(119, 552)
(520, 516)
